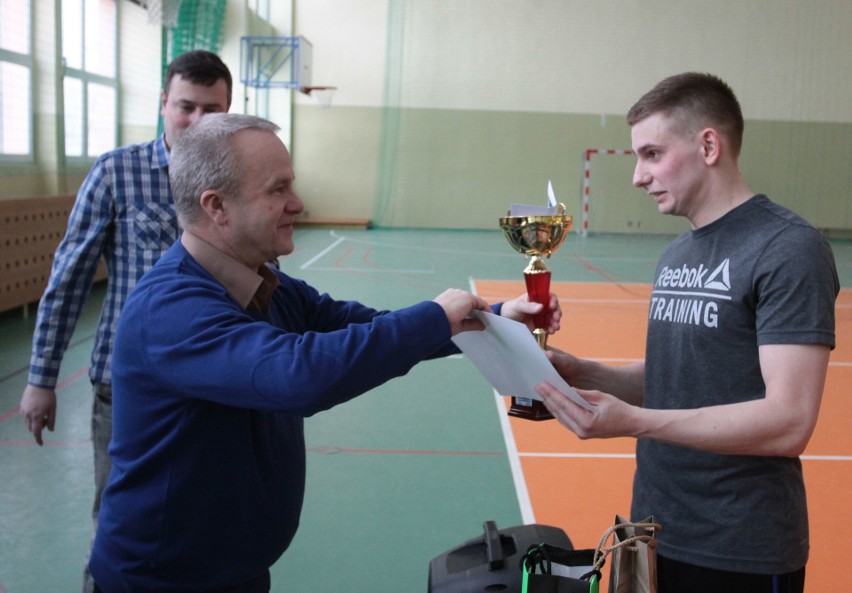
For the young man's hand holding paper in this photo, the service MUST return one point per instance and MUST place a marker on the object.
(509, 357)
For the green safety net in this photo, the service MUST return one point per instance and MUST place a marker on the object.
(199, 26)
(383, 211)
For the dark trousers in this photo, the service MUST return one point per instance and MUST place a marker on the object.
(678, 577)
(258, 584)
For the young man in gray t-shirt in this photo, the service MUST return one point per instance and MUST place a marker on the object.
(740, 326)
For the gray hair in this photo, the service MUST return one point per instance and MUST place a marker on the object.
(204, 158)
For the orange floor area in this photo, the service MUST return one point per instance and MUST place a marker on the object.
(580, 485)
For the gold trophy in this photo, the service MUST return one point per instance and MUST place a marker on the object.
(536, 237)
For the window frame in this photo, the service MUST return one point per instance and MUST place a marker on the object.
(25, 60)
(86, 78)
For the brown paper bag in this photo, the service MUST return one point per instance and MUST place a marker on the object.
(633, 562)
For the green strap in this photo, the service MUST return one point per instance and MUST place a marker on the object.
(593, 583)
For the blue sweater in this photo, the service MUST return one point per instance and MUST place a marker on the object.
(208, 445)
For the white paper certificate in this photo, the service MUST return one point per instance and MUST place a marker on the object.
(508, 355)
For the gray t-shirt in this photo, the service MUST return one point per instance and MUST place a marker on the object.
(759, 275)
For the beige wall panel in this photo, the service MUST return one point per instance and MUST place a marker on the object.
(787, 59)
(481, 102)
(446, 111)
(335, 158)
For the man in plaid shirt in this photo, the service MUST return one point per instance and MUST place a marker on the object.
(124, 212)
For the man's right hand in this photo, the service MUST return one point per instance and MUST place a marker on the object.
(458, 304)
(38, 409)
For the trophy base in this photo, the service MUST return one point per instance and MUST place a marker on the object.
(529, 409)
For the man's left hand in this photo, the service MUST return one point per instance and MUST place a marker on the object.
(521, 309)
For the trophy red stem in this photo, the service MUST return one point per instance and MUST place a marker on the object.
(538, 290)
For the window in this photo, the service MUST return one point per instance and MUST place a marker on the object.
(89, 85)
(16, 109)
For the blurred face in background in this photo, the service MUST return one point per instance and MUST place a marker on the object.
(183, 102)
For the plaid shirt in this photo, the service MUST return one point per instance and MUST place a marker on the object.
(124, 212)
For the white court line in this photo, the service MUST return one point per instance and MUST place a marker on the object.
(502, 254)
(831, 364)
(341, 239)
(523, 495)
(633, 456)
(617, 359)
(524, 502)
(605, 301)
(581, 455)
(308, 263)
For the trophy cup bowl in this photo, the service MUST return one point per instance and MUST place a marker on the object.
(536, 237)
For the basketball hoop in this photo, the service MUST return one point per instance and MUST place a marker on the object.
(162, 12)
(321, 94)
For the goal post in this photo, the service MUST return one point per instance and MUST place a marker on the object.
(587, 181)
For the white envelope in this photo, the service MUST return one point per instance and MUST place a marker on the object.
(508, 355)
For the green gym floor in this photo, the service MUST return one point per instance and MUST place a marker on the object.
(395, 477)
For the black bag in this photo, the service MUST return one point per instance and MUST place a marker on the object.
(561, 571)
(579, 571)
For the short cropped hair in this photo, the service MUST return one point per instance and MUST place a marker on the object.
(204, 158)
(697, 101)
(199, 67)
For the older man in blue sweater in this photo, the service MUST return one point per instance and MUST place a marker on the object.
(219, 358)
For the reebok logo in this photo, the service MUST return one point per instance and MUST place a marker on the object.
(681, 295)
(686, 277)
(720, 279)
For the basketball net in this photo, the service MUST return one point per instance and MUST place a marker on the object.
(162, 12)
